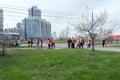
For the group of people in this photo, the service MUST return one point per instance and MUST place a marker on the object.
(71, 43)
(39, 43)
(51, 43)
(80, 43)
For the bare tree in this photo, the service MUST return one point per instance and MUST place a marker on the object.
(89, 23)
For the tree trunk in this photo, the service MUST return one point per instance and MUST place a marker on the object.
(3, 50)
(92, 43)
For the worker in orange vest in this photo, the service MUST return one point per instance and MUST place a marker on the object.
(49, 43)
(53, 43)
(28, 42)
(73, 42)
(81, 42)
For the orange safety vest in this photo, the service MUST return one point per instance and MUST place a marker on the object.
(81, 41)
(48, 41)
(73, 40)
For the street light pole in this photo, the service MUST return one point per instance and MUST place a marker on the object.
(92, 33)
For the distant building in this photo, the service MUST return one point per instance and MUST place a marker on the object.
(20, 30)
(34, 12)
(114, 37)
(37, 28)
(33, 26)
(54, 35)
(10, 30)
(45, 29)
(1, 20)
(105, 33)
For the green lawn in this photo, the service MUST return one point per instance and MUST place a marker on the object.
(64, 64)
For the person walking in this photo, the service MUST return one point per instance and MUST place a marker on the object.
(49, 43)
(77, 46)
(53, 43)
(69, 42)
(28, 41)
(103, 42)
(88, 43)
(73, 42)
(81, 42)
(31, 42)
(38, 42)
(41, 43)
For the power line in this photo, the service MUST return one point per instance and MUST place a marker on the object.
(18, 12)
(46, 11)
(10, 20)
(48, 14)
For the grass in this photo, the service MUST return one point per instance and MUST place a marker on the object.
(63, 64)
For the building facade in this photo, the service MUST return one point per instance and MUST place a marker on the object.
(20, 30)
(1, 20)
(34, 26)
(45, 29)
(34, 12)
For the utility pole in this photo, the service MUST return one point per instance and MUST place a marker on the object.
(93, 36)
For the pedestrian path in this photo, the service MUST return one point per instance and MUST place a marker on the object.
(99, 47)
(64, 46)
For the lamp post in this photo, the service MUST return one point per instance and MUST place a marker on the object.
(92, 34)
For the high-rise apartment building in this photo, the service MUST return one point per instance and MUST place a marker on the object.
(45, 29)
(34, 26)
(20, 30)
(1, 20)
(34, 12)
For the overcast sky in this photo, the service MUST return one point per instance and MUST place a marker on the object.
(53, 10)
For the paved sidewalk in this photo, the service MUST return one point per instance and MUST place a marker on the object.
(64, 45)
(99, 47)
